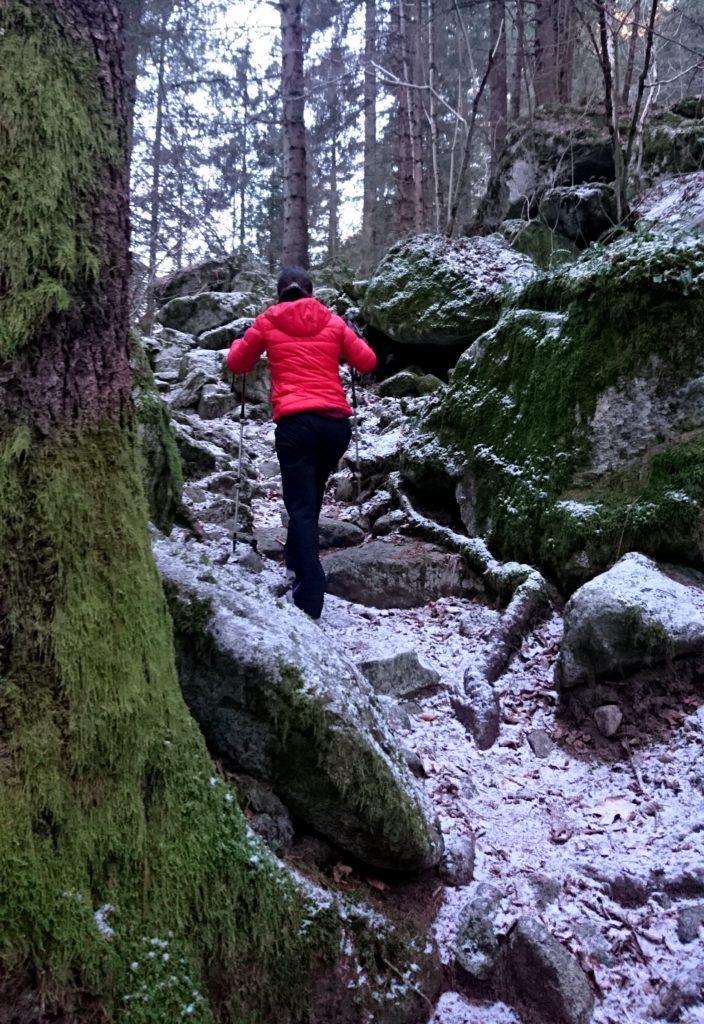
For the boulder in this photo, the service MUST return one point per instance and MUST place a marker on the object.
(409, 385)
(581, 213)
(265, 813)
(635, 615)
(399, 675)
(194, 314)
(431, 290)
(276, 700)
(457, 864)
(600, 362)
(334, 533)
(390, 575)
(540, 975)
(216, 400)
(222, 337)
(241, 271)
(675, 203)
(543, 244)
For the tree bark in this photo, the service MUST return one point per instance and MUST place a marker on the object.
(498, 81)
(155, 192)
(519, 62)
(564, 49)
(370, 148)
(243, 84)
(134, 12)
(333, 214)
(544, 77)
(295, 234)
(433, 118)
(630, 62)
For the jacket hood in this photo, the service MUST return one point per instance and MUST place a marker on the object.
(301, 318)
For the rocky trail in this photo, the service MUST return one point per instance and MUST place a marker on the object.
(573, 872)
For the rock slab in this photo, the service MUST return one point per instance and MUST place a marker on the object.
(276, 700)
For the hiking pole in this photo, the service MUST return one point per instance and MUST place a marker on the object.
(238, 479)
(358, 475)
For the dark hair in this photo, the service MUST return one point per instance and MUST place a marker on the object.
(293, 284)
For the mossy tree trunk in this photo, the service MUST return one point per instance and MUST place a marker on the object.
(129, 885)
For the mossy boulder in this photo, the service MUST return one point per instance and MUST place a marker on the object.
(582, 213)
(581, 413)
(635, 615)
(240, 271)
(434, 290)
(275, 699)
(543, 244)
(673, 144)
(407, 384)
(195, 314)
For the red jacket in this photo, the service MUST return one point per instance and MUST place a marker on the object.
(304, 342)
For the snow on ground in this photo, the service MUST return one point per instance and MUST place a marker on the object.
(602, 839)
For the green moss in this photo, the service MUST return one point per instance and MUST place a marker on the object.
(55, 136)
(162, 466)
(521, 401)
(106, 795)
(548, 248)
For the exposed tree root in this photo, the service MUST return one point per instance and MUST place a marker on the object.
(523, 591)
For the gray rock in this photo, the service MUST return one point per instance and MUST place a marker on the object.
(266, 814)
(690, 922)
(275, 699)
(390, 522)
(540, 975)
(199, 457)
(400, 675)
(540, 743)
(194, 314)
(478, 709)
(632, 616)
(581, 212)
(240, 271)
(222, 337)
(457, 864)
(608, 719)
(335, 533)
(384, 575)
(210, 364)
(675, 202)
(188, 395)
(409, 385)
(477, 947)
(216, 400)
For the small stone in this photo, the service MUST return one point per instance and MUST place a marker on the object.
(457, 864)
(252, 560)
(541, 975)
(608, 718)
(690, 921)
(540, 743)
(401, 675)
(389, 523)
(477, 946)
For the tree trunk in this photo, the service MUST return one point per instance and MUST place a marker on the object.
(155, 192)
(413, 173)
(295, 237)
(519, 62)
(433, 118)
(134, 12)
(565, 40)
(243, 84)
(370, 102)
(498, 82)
(609, 107)
(333, 217)
(111, 827)
(544, 77)
(630, 62)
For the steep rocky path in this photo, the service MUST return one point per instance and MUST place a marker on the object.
(602, 840)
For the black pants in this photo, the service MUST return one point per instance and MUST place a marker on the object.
(309, 445)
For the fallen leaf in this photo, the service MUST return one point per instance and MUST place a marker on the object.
(376, 883)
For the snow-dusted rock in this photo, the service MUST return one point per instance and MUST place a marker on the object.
(608, 718)
(194, 314)
(636, 614)
(394, 575)
(477, 946)
(580, 212)
(216, 400)
(674, 203)
(399, 675)
(457, 864)
(240, 271)
(434, 290)
(222, 337)
(542, 976)
(478, 709)
(277, 700)
(408, 384)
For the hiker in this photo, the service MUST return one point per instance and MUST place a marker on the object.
(304, 342)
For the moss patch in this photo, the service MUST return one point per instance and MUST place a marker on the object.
(55, 132)
(521, 401)
(116, 842)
